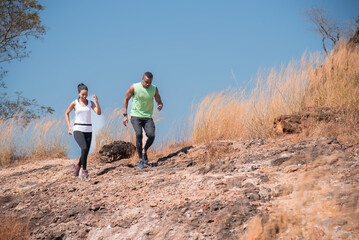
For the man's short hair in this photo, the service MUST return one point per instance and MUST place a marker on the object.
(148, 75)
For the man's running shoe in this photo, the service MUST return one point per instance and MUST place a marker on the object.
(141, 164)
(144, 158)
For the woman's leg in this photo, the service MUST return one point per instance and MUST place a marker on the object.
(88, 137)
(82, 142)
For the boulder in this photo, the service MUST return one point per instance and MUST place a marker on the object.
(295, 123)
(116, 150)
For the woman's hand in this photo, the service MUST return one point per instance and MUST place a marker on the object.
(95, 98)
(70, 131)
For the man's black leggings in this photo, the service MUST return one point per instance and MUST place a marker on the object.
(83, 139)
(148, 125)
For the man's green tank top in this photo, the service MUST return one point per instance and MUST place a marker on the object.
(142, 102)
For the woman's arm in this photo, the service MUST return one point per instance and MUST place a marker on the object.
(96, 107)
(67, 116)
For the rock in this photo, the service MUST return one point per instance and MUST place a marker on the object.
(295, 123)
(116, 150)
(234, 182)
(290, 168)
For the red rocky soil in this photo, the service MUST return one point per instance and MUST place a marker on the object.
(261, 189)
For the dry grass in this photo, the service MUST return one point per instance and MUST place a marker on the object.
(45, 138)
(335, 82)
(235, 114)
(13, 229)
(312, 82)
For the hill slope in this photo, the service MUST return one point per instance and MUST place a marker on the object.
(258, 189)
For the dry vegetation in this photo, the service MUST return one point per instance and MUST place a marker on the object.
(312, 82)
(44, 138)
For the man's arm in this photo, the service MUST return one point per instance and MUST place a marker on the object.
(158, 100)
(128, 96)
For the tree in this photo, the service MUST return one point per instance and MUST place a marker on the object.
(20, 21)
(330, 30)
(22, 108)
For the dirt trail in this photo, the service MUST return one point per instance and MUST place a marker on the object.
(258, 189)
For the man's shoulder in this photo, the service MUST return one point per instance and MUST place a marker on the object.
(137, 84)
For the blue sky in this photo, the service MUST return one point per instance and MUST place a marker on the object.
(192, 48)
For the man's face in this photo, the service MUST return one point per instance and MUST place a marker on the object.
(146, 82)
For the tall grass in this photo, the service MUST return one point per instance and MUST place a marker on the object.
(45, 138)
(242, 114)
(336, 82)
(311, 82)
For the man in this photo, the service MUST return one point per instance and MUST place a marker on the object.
(141, 113)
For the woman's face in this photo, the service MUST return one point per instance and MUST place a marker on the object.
(83, 95)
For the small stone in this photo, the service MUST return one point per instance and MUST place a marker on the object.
(291, 168)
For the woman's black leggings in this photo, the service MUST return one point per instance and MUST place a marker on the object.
(148, 125)
(83, 139)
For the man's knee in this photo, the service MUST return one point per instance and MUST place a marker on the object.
(139, 135)
(151, 135)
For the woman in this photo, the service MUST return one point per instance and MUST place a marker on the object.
(82, 128)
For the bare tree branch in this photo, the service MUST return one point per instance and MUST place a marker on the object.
(328, 28)
(20, 21)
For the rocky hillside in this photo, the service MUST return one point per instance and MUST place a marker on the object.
(281, 188)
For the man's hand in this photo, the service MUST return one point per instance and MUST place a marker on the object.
(159, 107)
(70, 131)
(125, 121)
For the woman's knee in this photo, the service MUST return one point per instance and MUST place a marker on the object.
(85, 150)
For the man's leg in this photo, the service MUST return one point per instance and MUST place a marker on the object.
(149, 127)
(137, 126)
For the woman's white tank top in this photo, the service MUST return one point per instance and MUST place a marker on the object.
(82, 117)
